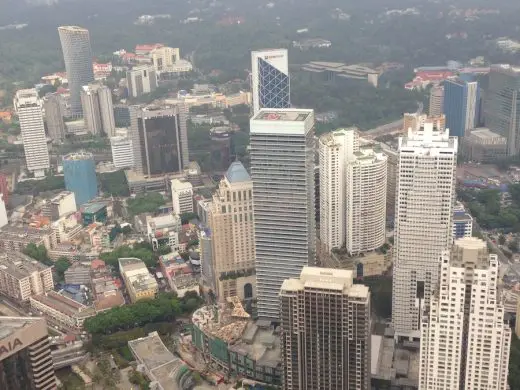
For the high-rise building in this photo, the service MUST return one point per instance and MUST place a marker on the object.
(423, 221)
(502, 105)
(53, 108)
(436, 100)
(79, 170)
(325, 331)
(461, 105)
(77, 54)
(4, 187)
(160, 139)
(122, 151)
(415, 121)
(270, 77)
(232, 228)
(164, 59)
(122, 115)
(282, 168)
(3, 212)
(25, 355)
(28, 106)
(182, 196)
(464, 339)
(141, 80)
(352, 193)
(98, 111)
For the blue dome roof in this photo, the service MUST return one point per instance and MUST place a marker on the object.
(236, 173)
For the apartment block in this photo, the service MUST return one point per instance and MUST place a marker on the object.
(182, 196)
(139, 283)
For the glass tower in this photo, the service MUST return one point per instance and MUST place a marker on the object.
(80, 176)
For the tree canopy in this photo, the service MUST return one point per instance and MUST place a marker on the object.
(146, 203)
(38, 252)
(114, 183)
(143, 252)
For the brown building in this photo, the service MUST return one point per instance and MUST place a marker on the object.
(325, 331)
(25, 355)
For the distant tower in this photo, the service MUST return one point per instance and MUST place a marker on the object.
(52, 106)
(436, 99)
(270, 77)
(461, 105)
(80, 176)
(98, 110)
(141, 80)
(77, 54)
(28, 106)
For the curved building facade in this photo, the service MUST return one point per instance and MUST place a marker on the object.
(77, 55)
(80, 176)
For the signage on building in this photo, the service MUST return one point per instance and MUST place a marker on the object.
(10, 346)
(273, 57)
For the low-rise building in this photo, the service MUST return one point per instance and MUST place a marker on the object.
(16, 238)
(484, 146)
(21, 276)
(94, 212)
(163, 230)
(66, 228)
(78, 273)
(462, 222)
(62, 204)
(182, 196)
(140, 284)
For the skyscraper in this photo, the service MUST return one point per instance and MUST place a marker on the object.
(464, 340)
(502, 105)
(423, 221)
(232, 229)
(77, 54)
(25, 355)
(79, 170)
(98, 110)
(270, 77)
(159, 138)
(461, 105)
(352, 193)
(53, 108)
(282, 168)
(325, 331)
(436, 100)
(28, 106)
(141, 80)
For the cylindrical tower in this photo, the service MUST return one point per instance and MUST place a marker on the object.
(77, 54)
(80, 176)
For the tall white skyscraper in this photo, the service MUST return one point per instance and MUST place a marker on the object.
(464, 340)
(423, 221)
(352, 193)
(98, 110)
(282, 169)
(270, 78)
(28, 107)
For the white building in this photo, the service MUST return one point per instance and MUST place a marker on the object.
(464, 340)
(3, 212)
(62, 204)
(164, 57)
(98, 109)
(270, 77)
(353, 182)
(122, 151)
(28, 107)
(182, 196)
(423, 221)
(141, 80)
(282, 169)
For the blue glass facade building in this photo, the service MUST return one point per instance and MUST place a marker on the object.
(274, 88)
(461, 105)
(80, 176)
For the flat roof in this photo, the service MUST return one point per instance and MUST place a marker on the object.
(63, 304)
(93, 208)
(151, 351)
(285, 115)
(10, 325)
(19, 265)
(484, 133)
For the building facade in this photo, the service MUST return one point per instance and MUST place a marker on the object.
(325, 331)
(353, 182)
(423, 221)
(160, 139)
(26, 361)
(282, 169)
(232, 227)
(461, 106)
(141, 80)
(464, 339)
(270, 77)
(436, 101)
(53, 108)
(122, 152)
(139, 283)
(98, 110)
(28, 106)
(164, 59)
(80, 176)
(77, 54)
(182, 196)
(484, 146)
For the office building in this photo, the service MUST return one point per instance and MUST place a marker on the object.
(122, 115)
(4, 187)
(53, 107)
(159, 139)
(464, 338)
(3, 212)
(484, 146)
(325, 330)
(98, 111)
(182, 196)
(28, 107)
(77, 54)
(164, 59)
(122, 151)
(62, 204)
(502, 105)
(415, 121)
(79, 170)
(232, 228)
(282, 169)
(139, 283)
(270, 77)
(461, 105)
(141, 80)
(462, 222)
(21, 276)
(352, 193)
(423, 221)
(436, 101)
(25, 357)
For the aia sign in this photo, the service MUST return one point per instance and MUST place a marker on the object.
(10, 346)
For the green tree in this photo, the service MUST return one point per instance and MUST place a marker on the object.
(38, 252)
(146, 203)
(60, 266)
(514, 363)
(114, 183)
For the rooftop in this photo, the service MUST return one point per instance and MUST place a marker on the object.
(64, 305)
(72, 28)
(93, 208)
(485, 133)
(180, 185)
(82, 155)
(10, 325)
(282, 115)
(237, 173)
(19, 265)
